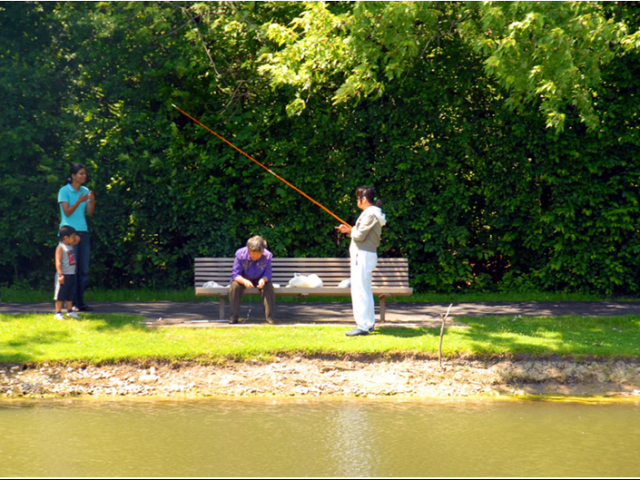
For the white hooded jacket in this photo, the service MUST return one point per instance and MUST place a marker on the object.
(365, 235)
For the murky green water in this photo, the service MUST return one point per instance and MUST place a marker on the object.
(323, 438)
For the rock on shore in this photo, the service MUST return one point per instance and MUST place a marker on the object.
(312, 377)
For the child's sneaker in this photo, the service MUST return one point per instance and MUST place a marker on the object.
(73, 315)
(58, 316)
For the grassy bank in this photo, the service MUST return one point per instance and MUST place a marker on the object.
(21, 295)
(118, 338)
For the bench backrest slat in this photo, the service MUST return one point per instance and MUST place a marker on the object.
(390, 272)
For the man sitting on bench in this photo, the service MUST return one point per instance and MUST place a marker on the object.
(252, 269)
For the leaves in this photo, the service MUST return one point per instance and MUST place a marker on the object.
(503, 137)
(546, 53)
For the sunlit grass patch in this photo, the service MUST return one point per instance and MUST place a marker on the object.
(116, 338)
(570, 335)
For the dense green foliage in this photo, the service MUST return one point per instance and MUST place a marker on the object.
(503, 137)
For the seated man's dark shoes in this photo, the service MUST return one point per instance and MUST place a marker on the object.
(234, 321)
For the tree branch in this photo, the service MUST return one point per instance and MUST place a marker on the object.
(204, 45)
(444, 319)
(438, 35)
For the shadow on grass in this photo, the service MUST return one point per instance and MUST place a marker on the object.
(115, 321)
(401, 332)
(41, 338)
(9, 359)
(23, 342)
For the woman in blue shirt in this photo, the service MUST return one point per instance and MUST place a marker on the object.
(76, 202)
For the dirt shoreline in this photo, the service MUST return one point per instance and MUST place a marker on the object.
(319, 377)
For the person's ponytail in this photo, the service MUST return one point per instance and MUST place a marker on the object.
(370, 194)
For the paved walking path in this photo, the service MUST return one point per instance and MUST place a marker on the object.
(206, 314)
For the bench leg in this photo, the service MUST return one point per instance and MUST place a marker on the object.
(382, 305)
(222, 307)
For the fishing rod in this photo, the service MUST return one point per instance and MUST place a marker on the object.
(267, 169)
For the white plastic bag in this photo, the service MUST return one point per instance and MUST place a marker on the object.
(299, 281)
(345, 283)
(303, 281)
(212, 284)
(314, 281)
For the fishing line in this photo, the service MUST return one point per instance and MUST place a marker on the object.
(267, 169)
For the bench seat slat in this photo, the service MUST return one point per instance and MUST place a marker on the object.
(285, 280)
(324, 292)
(298, 262)
(345, 268)
(225, 281)
(323, 275)
(324, 266)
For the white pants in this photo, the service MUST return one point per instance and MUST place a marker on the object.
(362, 265)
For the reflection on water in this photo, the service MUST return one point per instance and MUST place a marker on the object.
(318, 438)
(352, 443)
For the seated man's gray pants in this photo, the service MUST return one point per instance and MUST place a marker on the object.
(268, 300)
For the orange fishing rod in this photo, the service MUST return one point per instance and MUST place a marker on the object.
(267, 169)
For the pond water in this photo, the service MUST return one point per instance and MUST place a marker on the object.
(318, 438)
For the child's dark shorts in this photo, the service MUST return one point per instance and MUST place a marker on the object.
(65, 292)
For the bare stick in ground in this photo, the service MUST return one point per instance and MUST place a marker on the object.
(444, 319)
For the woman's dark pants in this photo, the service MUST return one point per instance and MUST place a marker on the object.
(82, 252)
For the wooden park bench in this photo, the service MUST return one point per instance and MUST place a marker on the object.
(390, 277)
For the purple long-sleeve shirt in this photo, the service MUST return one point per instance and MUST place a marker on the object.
(253, 271)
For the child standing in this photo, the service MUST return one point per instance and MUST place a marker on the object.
(66, 272)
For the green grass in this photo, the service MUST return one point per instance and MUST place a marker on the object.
(13, 295)
(100, 338)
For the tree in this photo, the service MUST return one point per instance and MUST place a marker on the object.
(33, 126)
(548, 54)
(444, 107)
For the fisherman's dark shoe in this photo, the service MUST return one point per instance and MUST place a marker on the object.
(356, 332)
